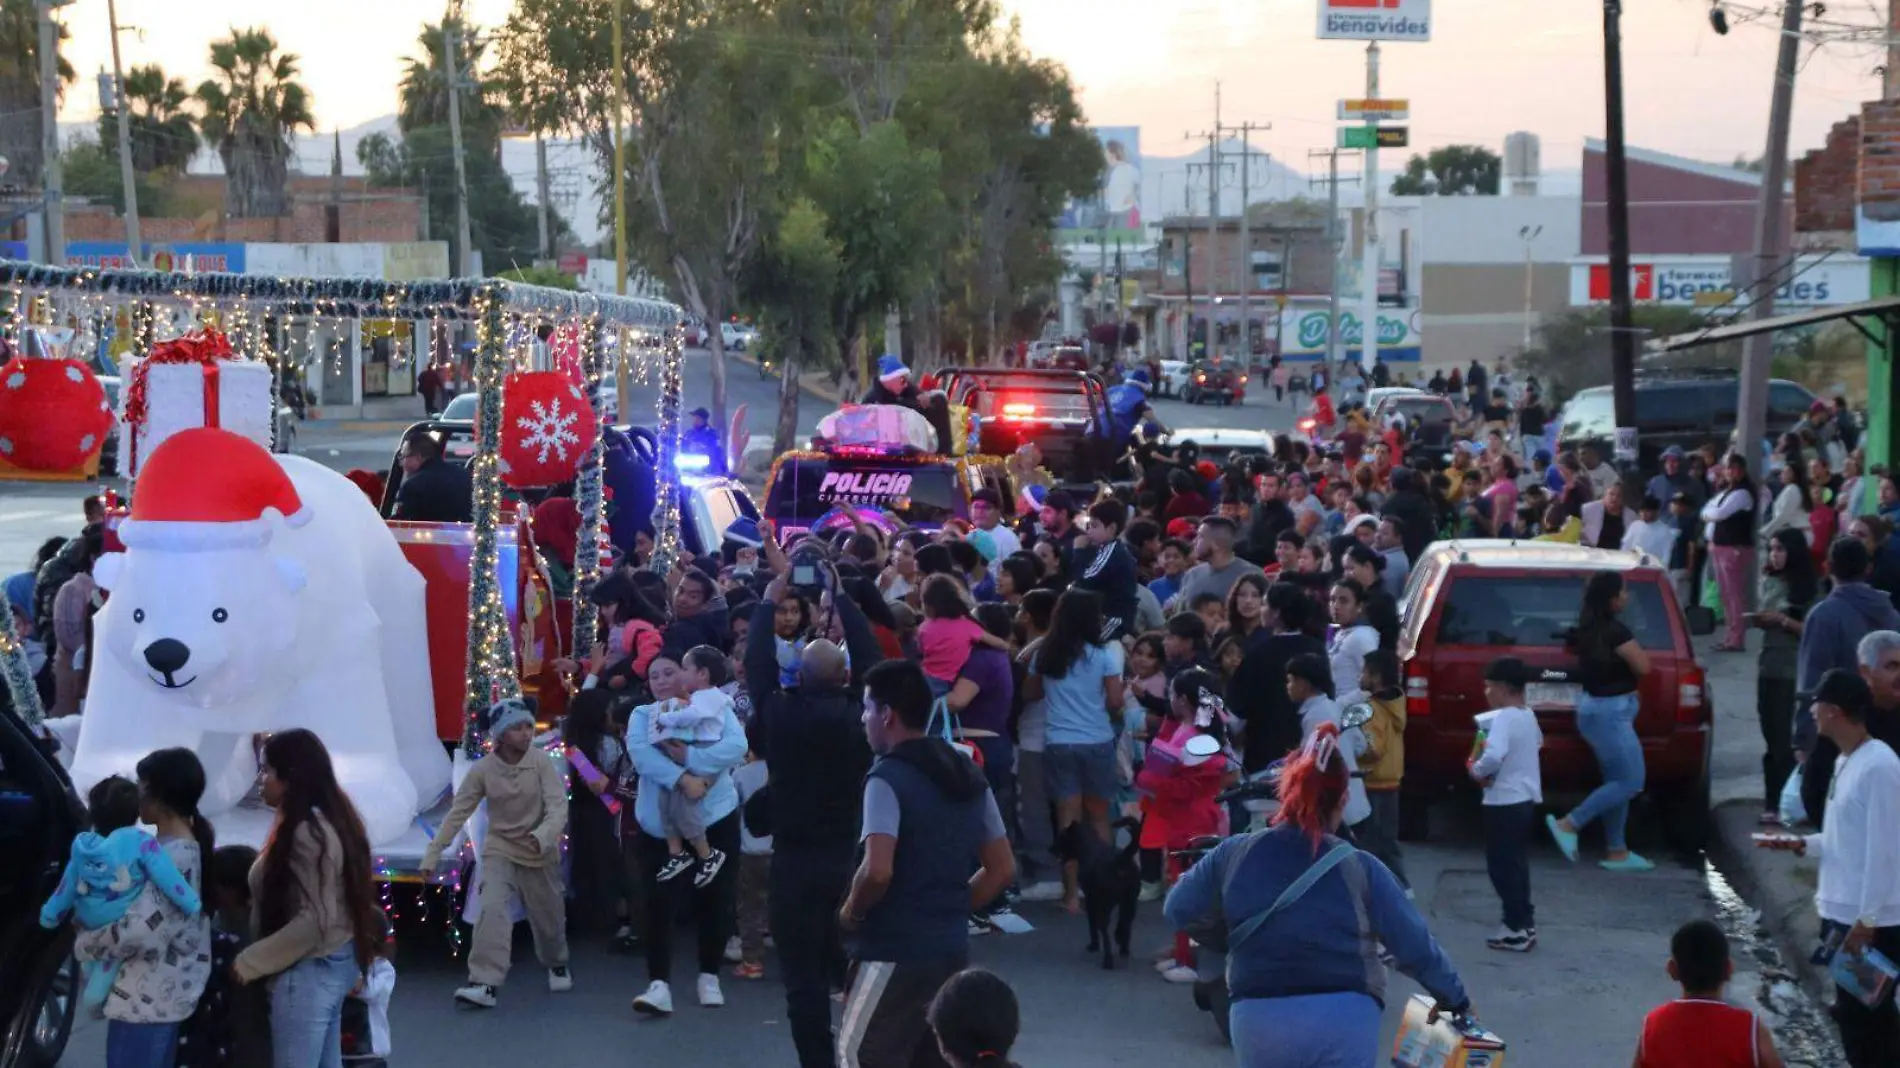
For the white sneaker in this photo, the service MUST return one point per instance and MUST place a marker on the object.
(1043, 892)
(657, 1001)
(734, 954)
(1150, 892)
(1180, 973)
(1164, 963)
(560, 980)
(709, 993)
(480, 995)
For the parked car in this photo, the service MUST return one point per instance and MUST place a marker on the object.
(1216, 379)
(39, 814)
(1685, 408)
(1221, 444)
(734, 336)
(1468, 603)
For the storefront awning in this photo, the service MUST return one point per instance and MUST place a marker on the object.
(1885, 310)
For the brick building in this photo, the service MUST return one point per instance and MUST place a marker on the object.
(1287, 256)
(365, 214)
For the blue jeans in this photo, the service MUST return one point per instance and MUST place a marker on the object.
(1608, 724)
(1306, 1031)
(306, 1011)
(135, 1045)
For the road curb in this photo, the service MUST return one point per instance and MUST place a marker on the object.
(821, 389)
(1778, 885)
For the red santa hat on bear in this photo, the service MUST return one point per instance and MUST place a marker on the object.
(207, 488)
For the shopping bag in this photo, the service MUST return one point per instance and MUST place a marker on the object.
(1792, 812)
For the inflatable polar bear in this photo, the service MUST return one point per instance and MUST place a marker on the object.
(261, 593)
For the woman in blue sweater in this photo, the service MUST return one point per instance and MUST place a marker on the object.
(1306, 915)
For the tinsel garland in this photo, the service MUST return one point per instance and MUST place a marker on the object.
(363, 298)
(26, 696)
(666, 525)
(490, 674)
(588, 493)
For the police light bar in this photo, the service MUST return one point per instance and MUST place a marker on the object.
(692, 461)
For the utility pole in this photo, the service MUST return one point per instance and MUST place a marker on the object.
(620, 168)
(541, 193)
(52, 175)
(1369, 273)
(1337, 242)
(134, 245)
(1622, 312)
(451, 29)
(1187, 260)
(333, 214)
(1213, 228)
(1246, 239)
(1758, 351)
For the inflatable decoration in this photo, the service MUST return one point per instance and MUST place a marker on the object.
(546, 427)
(259, 593)
(192, 381)
(54, 415)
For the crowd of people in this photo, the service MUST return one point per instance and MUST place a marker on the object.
(872, 746)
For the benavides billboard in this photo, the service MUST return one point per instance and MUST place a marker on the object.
(1375, 20)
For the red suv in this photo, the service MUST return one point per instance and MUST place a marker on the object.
(1468, 603)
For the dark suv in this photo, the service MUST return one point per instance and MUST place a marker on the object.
(1468, 603)
(1216, 378)
(39, 980)
(1685, 410)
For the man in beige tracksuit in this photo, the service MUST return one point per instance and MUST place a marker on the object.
(526, 793)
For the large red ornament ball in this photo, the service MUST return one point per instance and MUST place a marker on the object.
(547, 426)
(53, 414)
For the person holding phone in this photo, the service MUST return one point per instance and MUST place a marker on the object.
(1858, 896)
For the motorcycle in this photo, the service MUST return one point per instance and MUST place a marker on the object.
(1259, 795)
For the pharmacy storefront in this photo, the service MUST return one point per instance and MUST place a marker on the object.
(1709, 281)
(1303, 337)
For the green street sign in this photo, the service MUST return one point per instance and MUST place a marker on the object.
(1374, 136)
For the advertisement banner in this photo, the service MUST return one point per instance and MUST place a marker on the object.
(1115, 210)
(1812, 282)
(1304, 333)
(197, 257)
(1375, 20)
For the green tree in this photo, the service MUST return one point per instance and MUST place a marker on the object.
(91, 170)
(716, 117)
(1453, 170)
(502, 224)
(540, 276)
(792, 287)
(161, 127)
(422, 95)
(252, 108)
(21, 138)
(1571, 349)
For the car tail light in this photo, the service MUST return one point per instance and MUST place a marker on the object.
(1692, 704)
(1200, 378)
(1308, 424)
(1243, 380)
(1018, 411)
(1418, 694)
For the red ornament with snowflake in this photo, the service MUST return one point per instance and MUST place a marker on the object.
(54, 415)
(546, 427)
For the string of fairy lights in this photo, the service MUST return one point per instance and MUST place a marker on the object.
(589, 495)
(494, 306)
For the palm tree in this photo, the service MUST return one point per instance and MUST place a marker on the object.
(423, 98)
(20, 135)
(251, 110)
(164, 134)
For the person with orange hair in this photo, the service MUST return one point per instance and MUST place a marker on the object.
(1306, 914)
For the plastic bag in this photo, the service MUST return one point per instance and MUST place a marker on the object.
(1793, 813)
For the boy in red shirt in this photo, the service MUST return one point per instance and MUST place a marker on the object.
(1699, 1029)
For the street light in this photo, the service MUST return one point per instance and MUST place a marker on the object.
(1528, 234)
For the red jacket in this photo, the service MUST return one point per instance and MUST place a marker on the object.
(1178, 799)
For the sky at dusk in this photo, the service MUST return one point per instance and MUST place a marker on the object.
(1494, 66)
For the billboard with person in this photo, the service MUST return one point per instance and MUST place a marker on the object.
(1115, 209)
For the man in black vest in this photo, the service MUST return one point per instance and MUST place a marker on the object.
(811, 736)
(432, 489)
(928, 814)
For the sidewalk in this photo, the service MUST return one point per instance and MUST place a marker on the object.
(376, 415)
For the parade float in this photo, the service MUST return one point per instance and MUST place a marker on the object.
(251, 592)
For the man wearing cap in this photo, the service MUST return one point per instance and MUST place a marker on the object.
(702, 439)
(1858, 893)
(1675, 478)
(432, 490)
(893, 385)
(521, 852)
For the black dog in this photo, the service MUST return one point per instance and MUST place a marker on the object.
(1110, 880)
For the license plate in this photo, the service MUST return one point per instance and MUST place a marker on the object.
(1541, 694)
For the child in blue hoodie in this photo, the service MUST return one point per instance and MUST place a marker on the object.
(111, 865)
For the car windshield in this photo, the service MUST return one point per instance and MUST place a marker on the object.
(806, 490)
(1539, 611)
(1417, 409)
(462, 408)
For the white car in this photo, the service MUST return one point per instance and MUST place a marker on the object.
(1174, 378)
(737, 338)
